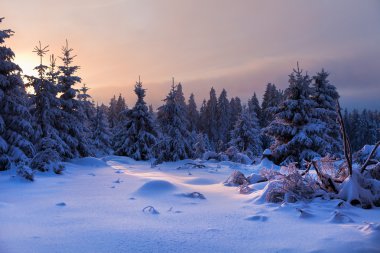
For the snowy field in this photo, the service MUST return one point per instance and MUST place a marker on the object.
(96, 206)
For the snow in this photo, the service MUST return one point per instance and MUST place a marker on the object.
(97, 206)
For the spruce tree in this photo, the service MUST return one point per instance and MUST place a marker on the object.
(246, 134)
(236, 109)
(325, 96)
(101, 135)
(112, 115)
(136, 134)
(211, 118)
(175, 142)
(192, 114)
(295, 129)
(15, 121)
(223, 119)
(72, 128)
(47, 115)
(254, 106)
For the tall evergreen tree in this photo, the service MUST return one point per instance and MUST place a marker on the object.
(295, 128)
(175, 142)
(120, 109)
(48, 115)
(112, 115)
(136, 135)
(246, 134)
(192, 114)
(15, 121)
(72, 128)
(210, 115)
(236, 109)
(223, 117)
(101, 135)
(254, 106)
(203, 120)
(325, 96)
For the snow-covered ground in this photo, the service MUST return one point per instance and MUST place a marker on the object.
(96, 206)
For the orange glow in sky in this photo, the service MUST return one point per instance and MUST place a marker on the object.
(238, 45)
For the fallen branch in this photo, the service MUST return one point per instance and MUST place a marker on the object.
(367, 162)
(326, 180)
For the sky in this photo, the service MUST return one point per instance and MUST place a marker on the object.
(239, 45)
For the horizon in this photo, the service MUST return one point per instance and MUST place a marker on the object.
(235, 47)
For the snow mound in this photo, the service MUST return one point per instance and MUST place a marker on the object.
(201, 181)
(340, 218)
(156, 187)
(89, 162)
(268, 164)
(119, 159)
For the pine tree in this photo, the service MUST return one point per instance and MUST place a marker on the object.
(246, 134)
(136, 135)
(120, 109)
(101, 135)
(87, 112)
(192, 114)
(47, 115)
(175, 142)
(72, 128)
(223, 115)
(325, 96)
(112, 115)
(210, 117)
(15, 121)
(203, 120)
(295, 128)
(254, 106)
(236, 109)
(271, 99)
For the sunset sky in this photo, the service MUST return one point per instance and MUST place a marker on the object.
(239, 45)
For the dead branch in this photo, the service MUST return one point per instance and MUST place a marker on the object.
(326, 180)
(367, 162)
(346, 141)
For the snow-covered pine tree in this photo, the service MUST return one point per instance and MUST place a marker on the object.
(47, 115)
(223, 115)
(202, 126)
(236, 109)
(120, 109)
(72, 128)
(295, 129)
(246, 134)
(175, 142)
(112, 117)
(192, 114)
(101, 136)
(254, 106)
(271, 99)
(210, 117)
(136, 135)
(202, 145)
(15, 121)
(325, 96)
(87, 112)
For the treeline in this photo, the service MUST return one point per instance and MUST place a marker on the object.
(57, 122)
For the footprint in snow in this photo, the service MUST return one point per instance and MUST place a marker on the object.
(92, 174)
(257, 218)
(61, 204)
(119, 172)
